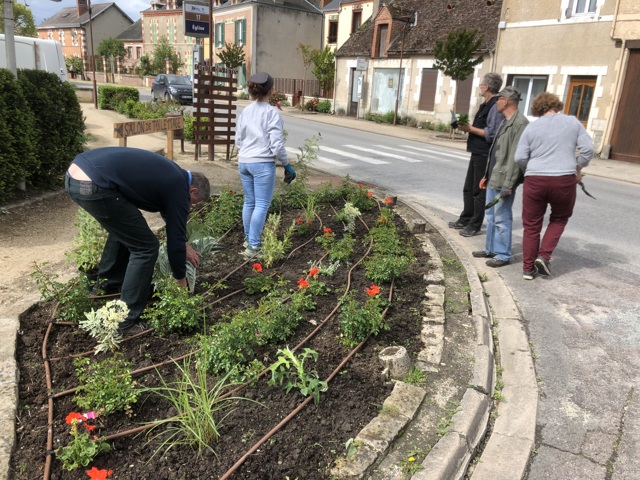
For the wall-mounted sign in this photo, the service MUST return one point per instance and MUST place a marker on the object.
(362, 64)
(197, 19)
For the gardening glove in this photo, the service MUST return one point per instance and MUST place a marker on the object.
(505, 192)
(289, 174)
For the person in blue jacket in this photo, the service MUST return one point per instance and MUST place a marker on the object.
(113, 184)
(260, 141)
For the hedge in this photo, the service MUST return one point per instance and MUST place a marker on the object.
(110, 96)
(59, 124)
(17, 136)
(41, 130)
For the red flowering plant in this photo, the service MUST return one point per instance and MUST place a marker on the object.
(327, 239)
(81, 451)
(389, 201)
(96, 474)
(260, 283)
(358, 321)
(304, 226)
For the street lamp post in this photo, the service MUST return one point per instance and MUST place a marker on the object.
(93, 62)
(9, 42)
(406, 21)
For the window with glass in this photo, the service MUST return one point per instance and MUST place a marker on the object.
(356, 20)
(172, 33)
(219, 33)
(529, 87)
(74, 37)
(580, 98)
(333, 32)
(241, 32)
(130, 52)
(138, 52)
(584, 7)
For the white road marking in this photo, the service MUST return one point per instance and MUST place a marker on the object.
(335, 163)
(353, 155)
(390, 155)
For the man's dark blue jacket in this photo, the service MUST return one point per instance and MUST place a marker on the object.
(152, 183)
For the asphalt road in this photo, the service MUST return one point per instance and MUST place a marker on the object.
(582, 321)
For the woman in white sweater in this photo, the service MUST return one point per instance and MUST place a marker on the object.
(260, 141)
(547, 155)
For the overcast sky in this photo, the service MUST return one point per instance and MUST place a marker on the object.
(43, 9)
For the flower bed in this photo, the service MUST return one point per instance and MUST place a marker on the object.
(349, 277)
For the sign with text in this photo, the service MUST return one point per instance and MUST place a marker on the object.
(142, 127)
(197, 20)
(362, 64)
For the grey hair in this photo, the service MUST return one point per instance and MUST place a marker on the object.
(199, 181)
(493, 81)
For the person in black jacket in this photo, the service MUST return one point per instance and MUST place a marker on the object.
(113, 184)
(481, 133)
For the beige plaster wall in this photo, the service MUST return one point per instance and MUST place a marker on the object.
(560, 52)
(278, 33)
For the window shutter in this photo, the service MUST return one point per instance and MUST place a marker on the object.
(428, 89)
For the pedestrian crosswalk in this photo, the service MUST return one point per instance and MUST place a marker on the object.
(350, 154)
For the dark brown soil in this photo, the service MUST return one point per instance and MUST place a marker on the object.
(304, 448)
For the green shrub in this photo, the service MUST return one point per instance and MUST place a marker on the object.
(59, 124)
(324, 106)
(312, 105)
(17, 136)
(110, 96)
(88, 243)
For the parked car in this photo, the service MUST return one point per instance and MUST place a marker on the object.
(172, 87)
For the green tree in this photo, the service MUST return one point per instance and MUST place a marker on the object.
(306, 52)
(24, 25)
(161, 52)
(324, 67)
(232, 55)
(112, 48)
(455, 56)
(75, 62)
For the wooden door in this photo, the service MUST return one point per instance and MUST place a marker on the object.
(625, 139)
(580, 98)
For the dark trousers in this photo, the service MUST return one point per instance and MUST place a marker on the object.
(538, 192)
(473, 197)
(131, 250)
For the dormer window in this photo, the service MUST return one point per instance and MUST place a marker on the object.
(381, 40)
(356, 20)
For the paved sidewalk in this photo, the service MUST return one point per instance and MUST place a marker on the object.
(512, 438)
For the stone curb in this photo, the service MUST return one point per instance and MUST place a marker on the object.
(450, 457)
(508, 448)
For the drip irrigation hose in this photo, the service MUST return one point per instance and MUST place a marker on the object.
(299, 408)
(308, 241)
(47, 372)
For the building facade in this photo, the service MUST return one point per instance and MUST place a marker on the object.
(70, 27)
(580, 50)
(342, 18)
(389, 60)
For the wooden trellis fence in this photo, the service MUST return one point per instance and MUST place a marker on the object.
(214, 117)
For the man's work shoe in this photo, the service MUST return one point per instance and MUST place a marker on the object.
(132, 328)
(495, 263)
(457, 225)
(482, 254)
(469, 231)
(542, 265)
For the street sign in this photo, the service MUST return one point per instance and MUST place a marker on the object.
(197, 20)
(362, 64)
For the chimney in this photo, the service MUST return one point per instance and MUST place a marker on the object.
(82, 7)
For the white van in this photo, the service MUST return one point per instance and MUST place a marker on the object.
(37, 54)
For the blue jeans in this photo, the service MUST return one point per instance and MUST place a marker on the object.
(131, 249)
(499, 225)
(258, 181)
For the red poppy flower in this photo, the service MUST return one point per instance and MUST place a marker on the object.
(74, 416)
(327, 230)
(373, 290)
(299, 220)
(388, 201)
(302, 283)
(313, 272)
(95, 474)
(369, 194)
(257, 267)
